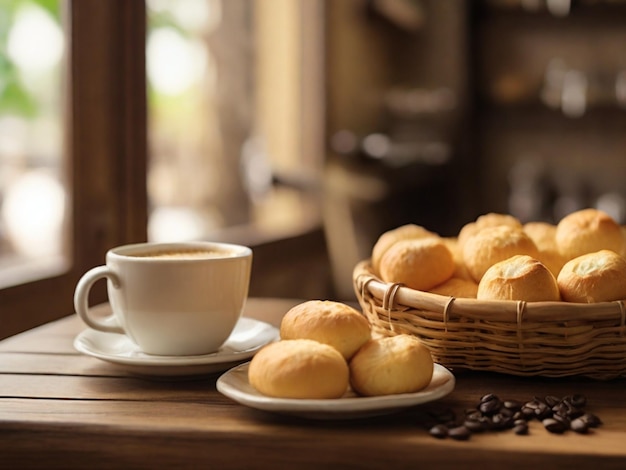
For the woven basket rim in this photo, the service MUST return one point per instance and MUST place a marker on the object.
(394, 296)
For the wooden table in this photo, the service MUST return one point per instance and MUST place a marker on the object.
(61, 409)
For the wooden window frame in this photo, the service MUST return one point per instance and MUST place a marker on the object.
(106, 153)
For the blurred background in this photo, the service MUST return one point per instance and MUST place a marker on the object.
(306, 128)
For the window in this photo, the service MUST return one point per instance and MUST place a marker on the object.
(32, 168)
(98, 139)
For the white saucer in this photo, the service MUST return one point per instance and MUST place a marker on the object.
(247, 338)
(234, 384)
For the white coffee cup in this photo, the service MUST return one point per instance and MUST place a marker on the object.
(175, 299)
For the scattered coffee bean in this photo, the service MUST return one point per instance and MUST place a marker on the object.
(579, 425)
(488, 397)
(561, 409)
(439, 431)
(479, 424)
(492, 414)
(489, 404)
(501, 421)
(553, 425)
(592, 420)
(527, 412)
(562, 419)
(521, 429)
(551, 400)
(575, 413)
(542, 411)
(534, 408)
(577, 400)
(459, 433)
(512, 405)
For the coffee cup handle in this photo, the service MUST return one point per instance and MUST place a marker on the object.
(81, 299)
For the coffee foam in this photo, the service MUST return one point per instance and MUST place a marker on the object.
(185, 254)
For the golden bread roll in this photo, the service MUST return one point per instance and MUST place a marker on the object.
(467, 231)
(391, 365)
(389, 238)
(460, 270)
(543, 234)
(299, 368)
(494, 219)
(594, 277)
(457, 287)
(419, 264)
(493, 244)
(520, 277)
(588, 231)
(491, 219)
(333, 323)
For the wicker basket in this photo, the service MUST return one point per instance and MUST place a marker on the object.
(550, 339)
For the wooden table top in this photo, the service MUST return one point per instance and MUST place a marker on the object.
(62, 409)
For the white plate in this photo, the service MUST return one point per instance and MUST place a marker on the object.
(234, 384)
(247, 338)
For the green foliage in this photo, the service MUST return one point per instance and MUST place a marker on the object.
(164, 19)
(14, 97)
(51, 6)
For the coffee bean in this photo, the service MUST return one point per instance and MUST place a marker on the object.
(557, 416)
(527, 412)
(439, 431)
(501, 421)
(592, 420)
(575, 413)
(460, 433)
(551, 400)
(567, 408)
(535, 408)
(562, 419)
(561, 409)
(577, 400)
(489, 397)
(512, 405)
(490, 405)
(579, 425)
(543, 411)
(475, 425)
(553, 425)
(533, 404)
(521, 429)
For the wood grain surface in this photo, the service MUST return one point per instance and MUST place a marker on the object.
(61, 409)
